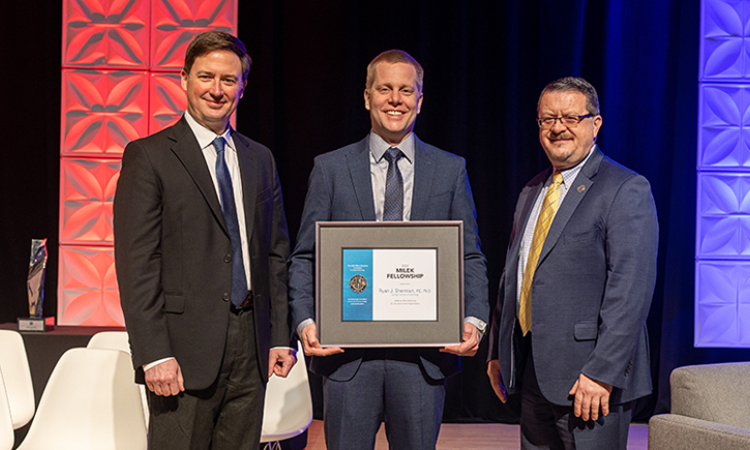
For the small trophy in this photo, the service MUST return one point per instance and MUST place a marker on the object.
(35, 287)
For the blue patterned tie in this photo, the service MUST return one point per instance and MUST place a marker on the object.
(393, 208)
(229, 208)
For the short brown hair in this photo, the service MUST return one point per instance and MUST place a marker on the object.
(210, 41)
(574, 84)
(393, 57)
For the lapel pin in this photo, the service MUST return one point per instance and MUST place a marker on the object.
(581, 188)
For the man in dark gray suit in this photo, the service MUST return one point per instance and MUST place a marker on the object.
(201, 248)
(389, 175)
(569, 329)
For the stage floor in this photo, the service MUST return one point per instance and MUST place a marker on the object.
(485, 436)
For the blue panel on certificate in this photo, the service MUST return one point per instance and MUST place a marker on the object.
(389, 284)
(357, 285)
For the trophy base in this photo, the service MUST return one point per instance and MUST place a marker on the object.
(31, 324)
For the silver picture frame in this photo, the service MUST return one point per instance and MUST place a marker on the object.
(332, 238)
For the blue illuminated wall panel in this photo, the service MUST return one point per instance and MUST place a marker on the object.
(722, 267)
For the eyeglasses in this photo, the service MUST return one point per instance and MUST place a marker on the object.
(570, 121)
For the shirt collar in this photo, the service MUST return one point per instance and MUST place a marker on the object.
(378, 146)
(205, 136)
(571, 173)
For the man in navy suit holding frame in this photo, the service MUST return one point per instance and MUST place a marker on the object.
(389, 175)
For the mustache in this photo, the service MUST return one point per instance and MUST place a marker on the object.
(563, 135)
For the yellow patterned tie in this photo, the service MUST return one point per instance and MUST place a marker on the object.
(549, 208)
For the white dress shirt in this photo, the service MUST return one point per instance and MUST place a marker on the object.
(379, 170)
(205, 138)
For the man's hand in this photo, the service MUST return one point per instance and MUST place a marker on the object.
(590, 395)
(281, 361)
(165, 378)
(493, 372)
(311, 345)
(469, 344)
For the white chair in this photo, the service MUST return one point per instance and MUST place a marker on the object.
(90, 403)
(118, 340)
(288, 408)
(17, 375)
(113, 340)
(6, 422)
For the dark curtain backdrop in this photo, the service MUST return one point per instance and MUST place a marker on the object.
(485, 63)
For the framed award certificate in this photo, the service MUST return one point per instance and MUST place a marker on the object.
(389, 284)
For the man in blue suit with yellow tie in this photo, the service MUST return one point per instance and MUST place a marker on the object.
(389, 175)
(569, 328)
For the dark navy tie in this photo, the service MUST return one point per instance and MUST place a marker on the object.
(229, 209)
(393, 208)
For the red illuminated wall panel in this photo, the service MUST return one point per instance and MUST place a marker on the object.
(167, 100)
(88, 287)
(120, 81)
(102, 110)
(87, 190)
(106, 33)
(176, 22)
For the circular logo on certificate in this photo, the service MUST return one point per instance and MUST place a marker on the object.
(358, 283)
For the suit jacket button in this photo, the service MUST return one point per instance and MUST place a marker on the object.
(226, 297)
(227, 258)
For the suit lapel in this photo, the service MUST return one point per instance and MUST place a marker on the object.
(424, 173)
(358, 160)
(578, 189)
(187, 150)
(250, 176)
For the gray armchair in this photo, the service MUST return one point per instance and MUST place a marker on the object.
(710, 410)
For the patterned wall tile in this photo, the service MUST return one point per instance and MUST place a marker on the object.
(106, 33)
(88, 287)
(102, 110)
(722, 309)
(167, 100)
(725, 40)
(86, 194)
(723, 226)
(177, 22)
(724, 133)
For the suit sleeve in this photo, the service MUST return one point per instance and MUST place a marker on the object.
(137, 228)
(476, 289)
(278, 258)
(302, 270)
(494, 326)
(631, 246)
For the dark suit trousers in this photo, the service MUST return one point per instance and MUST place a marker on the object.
(547, 426)
(389, 386)
(226, 415)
